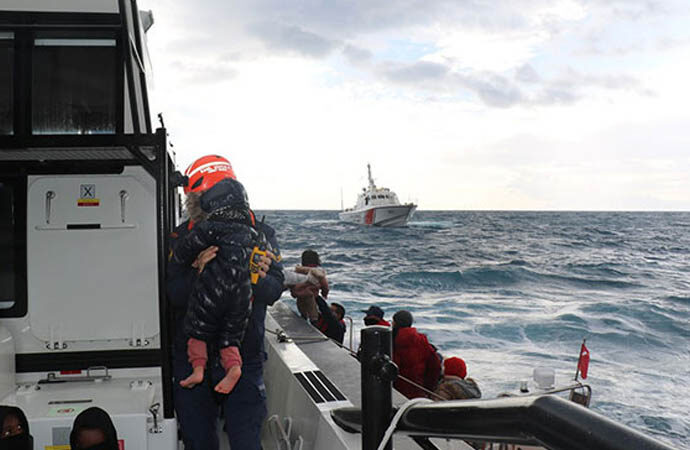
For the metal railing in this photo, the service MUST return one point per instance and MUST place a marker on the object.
(544, 420)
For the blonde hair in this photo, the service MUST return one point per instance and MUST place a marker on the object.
(193, 205)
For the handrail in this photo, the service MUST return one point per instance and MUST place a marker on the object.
(352, 325)
(547, 420)
(544, 420)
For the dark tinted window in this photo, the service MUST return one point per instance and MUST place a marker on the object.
(7, 252)
(73, 86)
(6, 84)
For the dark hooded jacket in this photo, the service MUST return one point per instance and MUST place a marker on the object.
(417, 360)
(220, 301)
(94, 418)
(22, 441)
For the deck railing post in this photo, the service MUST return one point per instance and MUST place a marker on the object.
(378, 371)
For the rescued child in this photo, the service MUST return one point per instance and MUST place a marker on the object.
(220, 302)
(306, 288)
(454, 385)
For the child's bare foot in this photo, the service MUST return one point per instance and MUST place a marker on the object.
(229, 381)
(195, 378)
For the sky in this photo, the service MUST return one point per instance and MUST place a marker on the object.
(457, 105)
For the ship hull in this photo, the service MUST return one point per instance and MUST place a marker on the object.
(380, 216)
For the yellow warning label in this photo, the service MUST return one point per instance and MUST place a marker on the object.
(57, 447)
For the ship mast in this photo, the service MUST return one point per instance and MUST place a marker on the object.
(372, 186)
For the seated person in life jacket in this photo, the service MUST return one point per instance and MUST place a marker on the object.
(330, 321)
(306, 289)
(220, 302)
(93, 429)
(374, 316)
(454, 385)
(14, 434)
(416, 358)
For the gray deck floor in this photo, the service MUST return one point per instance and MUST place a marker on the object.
(335, 362)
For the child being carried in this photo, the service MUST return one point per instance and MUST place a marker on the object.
(220, 302)
(305, 289)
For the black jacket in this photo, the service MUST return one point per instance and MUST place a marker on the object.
(328, 323)
(220, 300)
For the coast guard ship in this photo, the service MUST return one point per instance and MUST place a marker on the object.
(379, 207)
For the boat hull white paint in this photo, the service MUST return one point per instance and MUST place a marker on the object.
(380, 216)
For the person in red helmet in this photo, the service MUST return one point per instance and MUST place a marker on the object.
(206, 171)
(198, 407)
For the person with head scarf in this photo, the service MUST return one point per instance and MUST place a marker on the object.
(15, 429)
(93, 430)
(455, 385)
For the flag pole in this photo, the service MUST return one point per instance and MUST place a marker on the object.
(579, 358)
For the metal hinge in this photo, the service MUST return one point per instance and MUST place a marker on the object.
(138, 339)
(156, 427)
(56, 342)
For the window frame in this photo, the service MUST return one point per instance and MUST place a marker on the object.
(72, 40)
(20, 307)
(24, 43)
(10, 36)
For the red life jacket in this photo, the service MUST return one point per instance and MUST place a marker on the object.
(416, 360)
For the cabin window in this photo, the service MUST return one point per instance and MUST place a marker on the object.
(12, 246)
(74, 86)
(6, 83)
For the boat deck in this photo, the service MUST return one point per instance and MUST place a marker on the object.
(335, 362)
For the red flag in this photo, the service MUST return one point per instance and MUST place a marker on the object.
(583, 362)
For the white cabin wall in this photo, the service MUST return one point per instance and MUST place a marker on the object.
(7, 376)
(92, 289)
(90, 6)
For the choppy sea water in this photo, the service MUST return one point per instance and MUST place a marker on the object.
(510, 291)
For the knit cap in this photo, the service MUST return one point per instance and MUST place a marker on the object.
(454, 366)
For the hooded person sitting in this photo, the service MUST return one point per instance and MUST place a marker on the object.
(15, 429)
(416, 358)
(93, 429)
(374, 316)
(220, 301)
(454, 385)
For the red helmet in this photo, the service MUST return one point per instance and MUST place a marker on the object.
(207, 171)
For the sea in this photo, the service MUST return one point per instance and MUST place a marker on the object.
(513, 291)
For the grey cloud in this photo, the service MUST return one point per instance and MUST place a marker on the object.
(290, 38)
(495, 90)
(526, 87)
(571, 77)
(417, 72)
(356, 55)
(527, 74)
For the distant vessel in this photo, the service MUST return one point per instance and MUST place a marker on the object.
(379, 207)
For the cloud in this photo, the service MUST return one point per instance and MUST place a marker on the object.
(417, 72)
(291, 38)
(356, 55)
(493, 89)
(527, 74)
